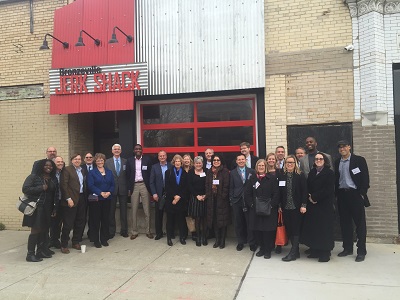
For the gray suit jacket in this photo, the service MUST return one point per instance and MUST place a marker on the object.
(305, 166)
(121, 187)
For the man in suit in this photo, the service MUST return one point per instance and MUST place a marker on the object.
(117, 165)
(250, 159)
(51, 153)
(157, 186)
(138, 170)
(207, 161)
(280, 157)
(351, 186)
(88, 164)
(73, 203)
(239, 177)
(307, 161)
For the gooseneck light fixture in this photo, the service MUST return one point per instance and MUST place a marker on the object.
(45, 45)
(114, 36)
(80, 39)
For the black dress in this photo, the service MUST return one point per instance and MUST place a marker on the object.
(33, 188)
(197, 186)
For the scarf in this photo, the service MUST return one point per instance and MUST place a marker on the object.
(319, 169)
(215, 171)
(178, 175)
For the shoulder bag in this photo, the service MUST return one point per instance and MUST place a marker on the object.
(26, 206)
(263, 206)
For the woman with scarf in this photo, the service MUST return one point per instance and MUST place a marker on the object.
(317, 231)
(41, 186)
(217, 196)
(177, 194)
(263, 186)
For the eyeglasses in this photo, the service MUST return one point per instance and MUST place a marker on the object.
(290, 162)
(87, 157)
(216, 160)
(319, 159)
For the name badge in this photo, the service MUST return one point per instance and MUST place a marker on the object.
(144, 168)
(282, 183)
(356, 171)
(257, 185)
(216, 181)
(203, 174)
(124, 167)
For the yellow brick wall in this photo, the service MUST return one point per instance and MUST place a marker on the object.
(309, 76)
(26, 128)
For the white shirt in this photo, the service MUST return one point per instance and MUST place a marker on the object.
(138, 168)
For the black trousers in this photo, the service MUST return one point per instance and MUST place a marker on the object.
(159, 215)
(351, 208)
(99, 216)
(179, 218)
(123, 214)
(241, 220)
(265, 239)
(73, 218)
(55, 226)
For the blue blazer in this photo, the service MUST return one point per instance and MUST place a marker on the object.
(98, 183)
(156, 179)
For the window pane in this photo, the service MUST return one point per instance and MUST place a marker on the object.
(168, 113)
(226, 136)
(169, 138)
(225, 111)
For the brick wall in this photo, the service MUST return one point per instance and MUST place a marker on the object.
(377, 145)
(26, 128)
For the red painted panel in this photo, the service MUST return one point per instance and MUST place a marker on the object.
(97, 17)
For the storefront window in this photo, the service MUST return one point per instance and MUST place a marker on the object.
(193, 126)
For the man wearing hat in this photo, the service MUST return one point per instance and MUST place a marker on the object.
(352, 184)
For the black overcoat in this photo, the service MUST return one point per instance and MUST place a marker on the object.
(268, 188)
(172, 189)
(317, 232)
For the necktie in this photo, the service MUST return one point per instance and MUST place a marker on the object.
(118, 166)
(243, 176)
(248, 163)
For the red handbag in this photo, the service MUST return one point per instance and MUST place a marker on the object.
(281, 236)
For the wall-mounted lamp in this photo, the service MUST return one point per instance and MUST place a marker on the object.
(45, 45)
(80, 39)
(114, 36)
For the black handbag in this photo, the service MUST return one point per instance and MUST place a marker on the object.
(26, 206)
(263, 206)
(161, 202)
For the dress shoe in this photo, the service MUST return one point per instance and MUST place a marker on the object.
(41, 254)
(150, 235)
(48, 251)
(33, 258)
(76, 246)
(158, 236)
(360, 257)
(105, 244)
(324, 259)
(183, 242)
(239, 247)
(64, 250)
(345, 253)
(222, 245)
(216, 244)
(313, 255)
(198, 243)
(205, 242)
(124, 234)
(260, 253)
(97, 244)
(267, 255)
(278, 249)
(134, 236)
(169, 242)
(253, 247)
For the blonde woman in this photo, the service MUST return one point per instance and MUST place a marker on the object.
(293, 202)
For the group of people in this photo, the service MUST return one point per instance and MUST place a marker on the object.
(199, 196)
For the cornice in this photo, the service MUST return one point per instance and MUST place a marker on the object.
(362, 7)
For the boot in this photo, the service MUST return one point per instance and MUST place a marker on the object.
(198, 237)
(217, 237)
(40, 251)
(204, 237)
(45, 238)
(32, 241)
(223, 237)
(294, 250)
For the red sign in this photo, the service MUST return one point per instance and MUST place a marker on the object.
(98, 18)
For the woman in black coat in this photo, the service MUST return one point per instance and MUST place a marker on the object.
(263, 185)
(176, 201)
(42, 187)
(217, 197)
(293, 202)
(317, 230)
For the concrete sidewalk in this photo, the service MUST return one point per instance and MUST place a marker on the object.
(148, 269)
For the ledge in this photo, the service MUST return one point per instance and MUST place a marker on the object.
(362, 7)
